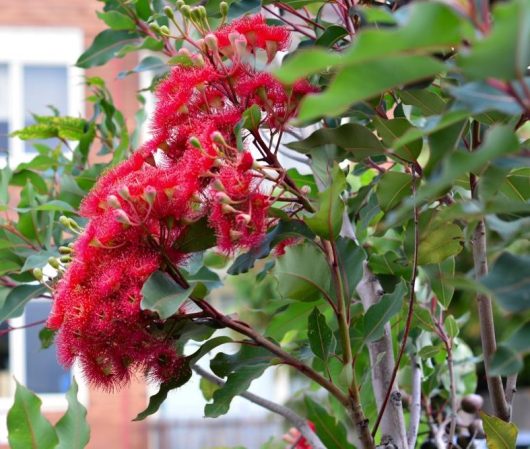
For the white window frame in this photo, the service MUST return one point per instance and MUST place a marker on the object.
(44, 46)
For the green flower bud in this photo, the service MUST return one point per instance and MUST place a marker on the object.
(223, 8)
(164, 31)
(65, 259)
(65, 250)
(54, 263)
(169, 12)
(37, 274)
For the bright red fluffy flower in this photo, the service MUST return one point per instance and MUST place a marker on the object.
(192, 168)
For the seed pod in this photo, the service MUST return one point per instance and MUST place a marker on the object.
(472, 403)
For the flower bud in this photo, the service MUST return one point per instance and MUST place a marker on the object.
(54, 263)
(306, 190)
(154, 27)
(65, 259)
(185, 10)
(222, 197)
(194, 141)
(179, 4)
(223, 9)
(37, 274)
(64, 221)
(149, 195)
(122, 217)
(218, 138)
(112, 201)
(227, 209)
(169, 12)
(164, 31)
(124, 193)
(198, 61)
(65, 250)
(271, 47)
(202, 12)
(211, 41)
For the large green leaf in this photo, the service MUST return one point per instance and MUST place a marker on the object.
(302, 273)
(163, 295)
(117, 20)
(427, 102)
(365, 81)
(479, 97)
(284, 230)
(321, 339)
(379, 314)
(391, 130)
(240, 370)
(508, 45)
(509, 280)
(354, 138)
(392, 188)
(439, 242)
(105, 47)
(72, 429)
(27, 427)
(331, 431)
(438, 274)
(289, 319)
(326, 222)
(16, 300)
(499, 433)
(505, 362)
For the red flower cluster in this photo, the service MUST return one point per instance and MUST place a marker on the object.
(190, 169)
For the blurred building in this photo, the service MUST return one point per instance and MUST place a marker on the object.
(40, 40)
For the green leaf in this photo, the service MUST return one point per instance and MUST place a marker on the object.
(391, 130)
(149, 63)
(197, 237)
(354, 138)
(392, 188)
(509, 280)
(427, 102)
(105, 47)
(505, 362)
(287, 319)
(520, 340)
(207, 388)
(72, 429)
(46, 337)
(117, 20)
(331, 35)
(451, 326)
(508, 45)
(479, 97)
(379, 314)
(284, 230)
(303, 273)
(207, 347)
(163, 295)
(331, 431)
(438, 275)
(240, 370)
(157, 399)
(321, 339)
(429, 351)
(365, 81)
(327, 221)
(439, 242)
(27, 428)
(251, 118)
(499, 434)
(17, 299)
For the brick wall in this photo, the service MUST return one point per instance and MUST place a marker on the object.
(109, 414)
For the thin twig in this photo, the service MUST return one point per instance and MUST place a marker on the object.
(290, 415)
(415, 402)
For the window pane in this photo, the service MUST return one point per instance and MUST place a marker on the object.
(43, 86)
(43, 373)
(4, 105)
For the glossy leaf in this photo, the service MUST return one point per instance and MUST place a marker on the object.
(163, 295)
(321, 339)
(303, 273)
(326, 222)
(438, 275)
(379, 314)
(72, 429)
(18, 297)
(505, 362)
(392, 188)
(391, 130)
(499, 433)
(509, 280)
(105, 47)
(27, 427)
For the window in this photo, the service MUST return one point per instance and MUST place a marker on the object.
(36, 70)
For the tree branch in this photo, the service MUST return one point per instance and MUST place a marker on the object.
(415, 402)
(485, 310)
(295, 419)
(382, 361)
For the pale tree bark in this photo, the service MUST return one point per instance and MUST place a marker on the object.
(382, 365)
(415, 402)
